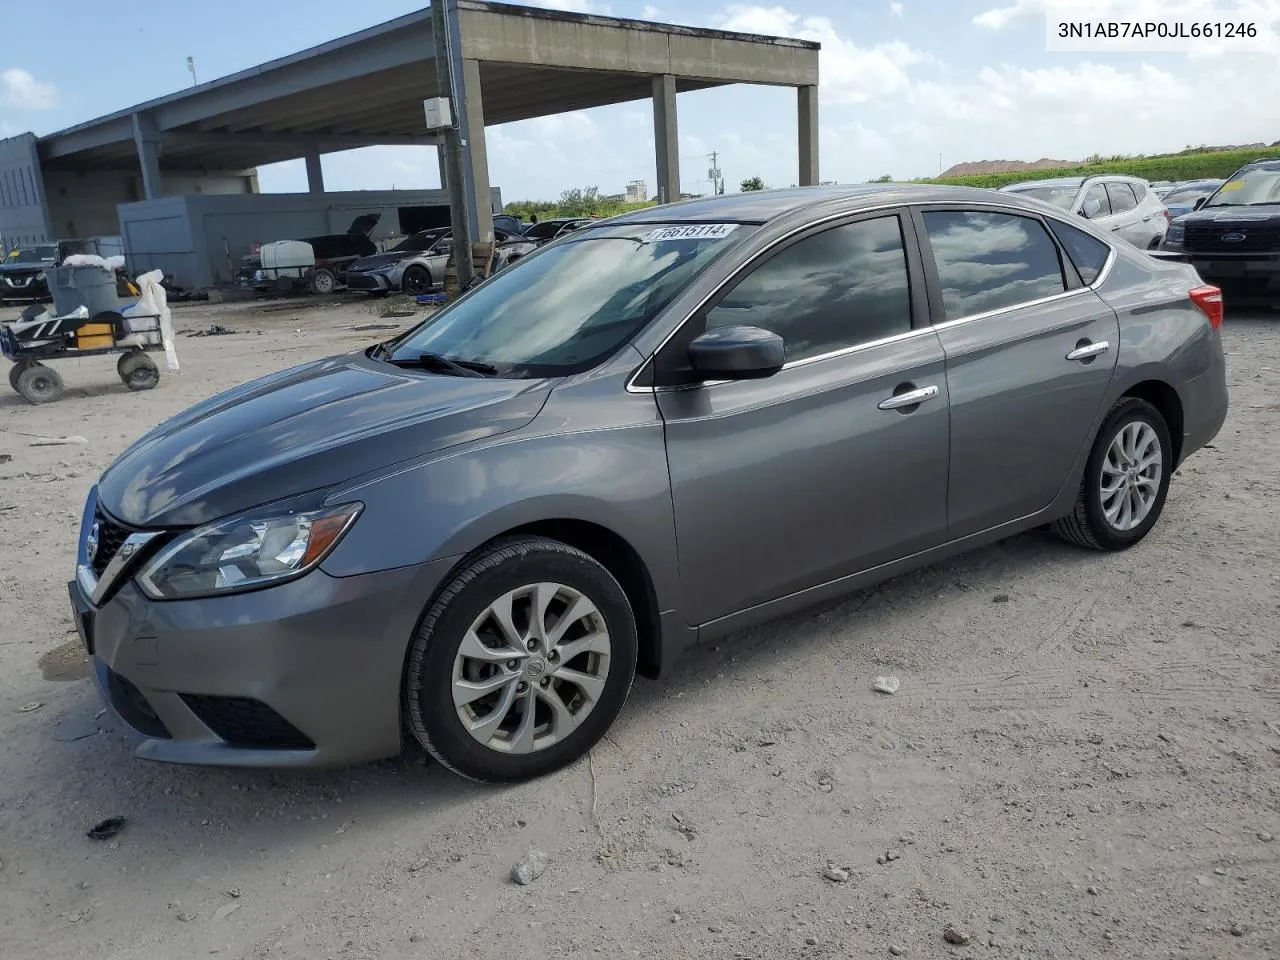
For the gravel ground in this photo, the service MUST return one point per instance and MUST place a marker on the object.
(1081, 760)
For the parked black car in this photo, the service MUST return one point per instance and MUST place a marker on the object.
(22, 272)
(1232, 237)
(538, 234)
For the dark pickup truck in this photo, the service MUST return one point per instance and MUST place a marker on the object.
(1232, 237)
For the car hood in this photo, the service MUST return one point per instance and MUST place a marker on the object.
(1232, 216)
(302, 430)
(382, 260)
(16, 267)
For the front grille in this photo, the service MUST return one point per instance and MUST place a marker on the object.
(110, 536)
(245, 722)
(128, 701)
(1258, 238)
(361, 281)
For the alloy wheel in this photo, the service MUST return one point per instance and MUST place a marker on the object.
(531, 668)
(1132, 470)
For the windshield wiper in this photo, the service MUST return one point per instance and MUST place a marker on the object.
(438, 361)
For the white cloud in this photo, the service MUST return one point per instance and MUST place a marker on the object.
(570, 6)
(897, 9)
(650, 12)
(849, 73)
(21, 91)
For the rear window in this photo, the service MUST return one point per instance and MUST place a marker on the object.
(1059, 196)
(1089, 254)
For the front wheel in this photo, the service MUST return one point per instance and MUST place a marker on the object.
(521, 663)
(417, 280)
(323, 281)
(137, 371)
(1125, 481)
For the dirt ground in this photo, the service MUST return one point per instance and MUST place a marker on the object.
(1082, 760)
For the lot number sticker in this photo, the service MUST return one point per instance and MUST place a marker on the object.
(701, 231)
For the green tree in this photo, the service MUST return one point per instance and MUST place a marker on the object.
(883, 178)
(751, 183)
(580, 202)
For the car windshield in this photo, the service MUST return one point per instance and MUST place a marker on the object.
(1255, 187)
(1057, 195)
(1189, 194)
(415, 243)
(33, 255)
(544, 230)
(570, 306)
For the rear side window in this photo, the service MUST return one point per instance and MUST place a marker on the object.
(991, 261)
(1121, 197)
(836, 289)
(1089, 254)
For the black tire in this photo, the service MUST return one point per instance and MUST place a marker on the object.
(323, 282)
(137, 371)
(1087, 525)
(416, 280)
(506, 566)
(40, 384)
(15, 371)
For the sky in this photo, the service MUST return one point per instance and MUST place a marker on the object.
(907, 87)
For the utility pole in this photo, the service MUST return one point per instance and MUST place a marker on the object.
(456, 174)
(191, 66)
(715, 175)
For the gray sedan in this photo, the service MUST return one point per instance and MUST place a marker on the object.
(660, 430)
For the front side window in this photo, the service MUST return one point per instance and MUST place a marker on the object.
(1121, 197)
(1096, 204)
(545, 230)
(991, 261)
(836, 289)
(571, 305)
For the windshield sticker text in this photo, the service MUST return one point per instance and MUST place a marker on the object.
(702, 231)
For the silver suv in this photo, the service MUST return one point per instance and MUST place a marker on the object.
(1127, 206)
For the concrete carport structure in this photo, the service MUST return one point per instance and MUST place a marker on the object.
(368, 88)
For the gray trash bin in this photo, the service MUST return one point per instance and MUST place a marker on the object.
(74, 287)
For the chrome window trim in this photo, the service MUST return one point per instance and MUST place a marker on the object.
(1112, 256)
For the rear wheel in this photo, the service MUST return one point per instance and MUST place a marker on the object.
(1126, 480)
(417, 279)
(521, 663)
(137, 371)
(39, 384)
(16, 371)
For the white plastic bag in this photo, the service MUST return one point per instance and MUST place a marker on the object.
(92, 260)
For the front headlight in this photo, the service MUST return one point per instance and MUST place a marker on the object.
(246, 552)
(1176, 234)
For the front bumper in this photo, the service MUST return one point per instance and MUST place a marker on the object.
(305, 674)
(1257, 268)
(34, 289)
(370, 282)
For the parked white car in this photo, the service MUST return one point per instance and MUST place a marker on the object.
(1127, 206)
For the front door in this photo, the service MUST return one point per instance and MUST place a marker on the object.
(1030, 353)
(817, 472)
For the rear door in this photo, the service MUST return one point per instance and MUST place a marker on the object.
(821, 470)
(1030, 350)
(1127, 218)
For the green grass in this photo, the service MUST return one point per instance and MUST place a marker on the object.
(1189, 165)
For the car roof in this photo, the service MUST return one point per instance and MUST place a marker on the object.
(1052, 182)
(761, 206)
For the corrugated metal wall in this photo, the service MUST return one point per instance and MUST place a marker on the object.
(23, 214)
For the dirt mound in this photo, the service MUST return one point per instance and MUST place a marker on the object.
(1005, 166)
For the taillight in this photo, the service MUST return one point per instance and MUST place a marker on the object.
(1167, 217)
(1209, 300)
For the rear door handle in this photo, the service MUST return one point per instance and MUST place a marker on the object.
(909, 399)
(1088, 351)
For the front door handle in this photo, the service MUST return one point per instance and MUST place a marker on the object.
(910, 398)
(1087, 351)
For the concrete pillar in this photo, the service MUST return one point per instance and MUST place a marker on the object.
(472, 99)
(666, 138)
(807, 108)
(444, 166)
(315, 172)
(146, 139)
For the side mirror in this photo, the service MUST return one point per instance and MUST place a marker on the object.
(736, 353)
(1091, 209)
(1200, 203)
